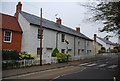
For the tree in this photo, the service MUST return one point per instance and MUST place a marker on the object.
(55, 51)
(109, 12)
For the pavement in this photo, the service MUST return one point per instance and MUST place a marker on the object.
(25, 70)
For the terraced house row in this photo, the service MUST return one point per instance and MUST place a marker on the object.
(23, 34)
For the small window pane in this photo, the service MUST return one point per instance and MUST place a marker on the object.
(7, 36)
(62, 37)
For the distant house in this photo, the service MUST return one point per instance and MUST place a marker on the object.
(105, 43)
(11, 33)
(54, 36)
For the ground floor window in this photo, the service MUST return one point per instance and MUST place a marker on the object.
(78, 51)
(62, 50)
(88, 51)
(38, 51)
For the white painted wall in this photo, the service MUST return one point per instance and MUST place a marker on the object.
(30, 42)
(107, 46)
(25, 25)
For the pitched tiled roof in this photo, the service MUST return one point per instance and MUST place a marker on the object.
(51, 25)
(9, 23)
(106, 41)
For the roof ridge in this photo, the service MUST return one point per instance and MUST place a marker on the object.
(7, 15)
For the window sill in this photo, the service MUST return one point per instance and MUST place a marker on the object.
(7, 41)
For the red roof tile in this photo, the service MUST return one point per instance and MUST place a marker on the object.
(9, 22)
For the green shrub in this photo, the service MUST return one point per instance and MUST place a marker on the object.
(55, 51)
(62, 57)
(101, 51)
(114, 50)
(118, 48)
(24, 55)
(103, 48)
(10, 54)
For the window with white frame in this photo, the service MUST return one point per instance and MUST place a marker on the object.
(62, 37)
(7, 36)
(38, 35)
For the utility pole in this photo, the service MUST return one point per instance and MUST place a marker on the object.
(41, 37)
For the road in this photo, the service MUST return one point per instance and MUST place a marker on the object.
(101, 70)
(106, 69)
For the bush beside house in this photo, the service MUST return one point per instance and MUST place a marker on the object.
(103, 50)
(115, 49)
(55, 51)
(11, 58)
(61, 57)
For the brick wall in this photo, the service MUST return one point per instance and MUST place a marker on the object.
(15, 43)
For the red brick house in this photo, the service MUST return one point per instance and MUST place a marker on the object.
(11, 33)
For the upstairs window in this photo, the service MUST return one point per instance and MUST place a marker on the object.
(62, 37)
(7, 36)
(78, 51)
(38, 35)
(78, 42)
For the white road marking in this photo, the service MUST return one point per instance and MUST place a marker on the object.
(83, 64)
(56, 77)
(102, 65)
(91, 65)
(114, 78)
(113, 66)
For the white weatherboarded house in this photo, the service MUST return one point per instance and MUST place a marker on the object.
(105, 43)
(54, 36)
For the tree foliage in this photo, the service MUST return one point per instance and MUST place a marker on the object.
(24, 55)
(109, 12)
(55, 51)
(62, 57)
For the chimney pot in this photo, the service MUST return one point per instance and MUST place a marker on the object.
(95, 37)
(58, 21)
(78, 29)
(18, 8)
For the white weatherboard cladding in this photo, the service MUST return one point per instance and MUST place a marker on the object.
(107, 46)
(63, 45)
(25, 25)
(51, 39)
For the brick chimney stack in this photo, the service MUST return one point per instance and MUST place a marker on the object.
(78, 29)
(95, 36)
(18, 8)
(58, 21)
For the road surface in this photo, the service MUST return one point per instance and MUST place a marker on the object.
(101, 70)
(104, 70)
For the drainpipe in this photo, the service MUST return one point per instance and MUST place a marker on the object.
(74, 45)
(57, 40)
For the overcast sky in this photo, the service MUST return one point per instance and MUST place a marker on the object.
(72, 14)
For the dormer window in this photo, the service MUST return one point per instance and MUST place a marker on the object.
(7, 36)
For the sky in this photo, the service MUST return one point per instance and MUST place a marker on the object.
(70, 11)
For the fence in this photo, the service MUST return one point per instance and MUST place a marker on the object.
(6, 64)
